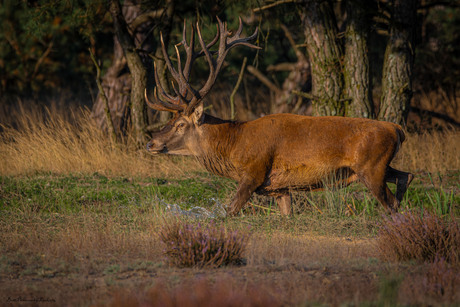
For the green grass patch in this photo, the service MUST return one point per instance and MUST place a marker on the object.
(348, 211)
(73, 193)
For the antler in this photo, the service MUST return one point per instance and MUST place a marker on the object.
(187, 98)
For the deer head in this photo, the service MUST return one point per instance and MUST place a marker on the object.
(180, 134)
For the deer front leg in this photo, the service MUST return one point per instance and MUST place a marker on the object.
(284, 203)
(243, 194)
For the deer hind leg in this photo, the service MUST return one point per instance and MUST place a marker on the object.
(284, 203)
(401, 179)
(374, 179)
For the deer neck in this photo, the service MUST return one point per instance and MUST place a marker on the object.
(217, 139)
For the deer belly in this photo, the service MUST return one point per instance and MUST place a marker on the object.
(299, 177)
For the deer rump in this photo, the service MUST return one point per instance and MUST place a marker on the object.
(275, 153)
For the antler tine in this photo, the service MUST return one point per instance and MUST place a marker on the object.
(240, 27)
(167, 59)
(171, 103)
(235, 40)
(198, 96)
(216, 38)
(192, 55)
(184, 75)
(182, 101)
(156, 105)
(179, 94)
(215, 65)
(182, 80)
(190, 50)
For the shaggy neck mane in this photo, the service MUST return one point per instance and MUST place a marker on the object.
(221, 136)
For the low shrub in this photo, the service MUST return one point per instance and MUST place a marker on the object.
(419, 236)
(201, 245)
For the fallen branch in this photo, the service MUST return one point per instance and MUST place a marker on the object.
(259, 75)
(305, 95)
(232, 96)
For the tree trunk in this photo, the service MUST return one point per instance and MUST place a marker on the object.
(117, 80)
(398, 63)
(137, 70)
(325, 56)
(116, 83)
(356, 63)
(298, 80)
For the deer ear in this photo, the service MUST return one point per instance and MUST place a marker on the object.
(198, 114)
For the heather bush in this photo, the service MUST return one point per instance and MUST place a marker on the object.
(189, 244)
(420, 236)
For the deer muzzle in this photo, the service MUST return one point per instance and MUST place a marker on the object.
(156, 148)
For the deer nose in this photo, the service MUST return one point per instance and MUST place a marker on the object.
(149, 145)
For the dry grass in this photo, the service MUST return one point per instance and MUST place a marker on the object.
(307, 249)
(430, 152)
(52, 143)
(73, 237)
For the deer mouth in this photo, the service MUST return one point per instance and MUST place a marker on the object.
(157, 150)
(163, 150)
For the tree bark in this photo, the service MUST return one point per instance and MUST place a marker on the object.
(137, 70)
(325, 56)
(356, 63)
(116, 83)
(398, 63)
(103, 97)
(299, 79)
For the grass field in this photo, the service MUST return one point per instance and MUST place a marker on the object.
(79, 224)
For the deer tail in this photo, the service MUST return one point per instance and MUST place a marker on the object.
(401, 137)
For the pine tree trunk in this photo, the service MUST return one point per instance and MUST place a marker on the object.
(325, 54)
(137, 70)
(117, 85)
(298, 80)
(398, 63)
(356, 63)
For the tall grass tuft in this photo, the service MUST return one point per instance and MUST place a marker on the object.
(200, 245)
(52, 142)
(419, 236)
(430, 152)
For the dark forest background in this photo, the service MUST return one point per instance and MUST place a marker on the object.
(46, 46)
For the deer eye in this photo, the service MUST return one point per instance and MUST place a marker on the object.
(181, 125)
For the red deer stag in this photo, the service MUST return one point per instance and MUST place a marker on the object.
(276, 153)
